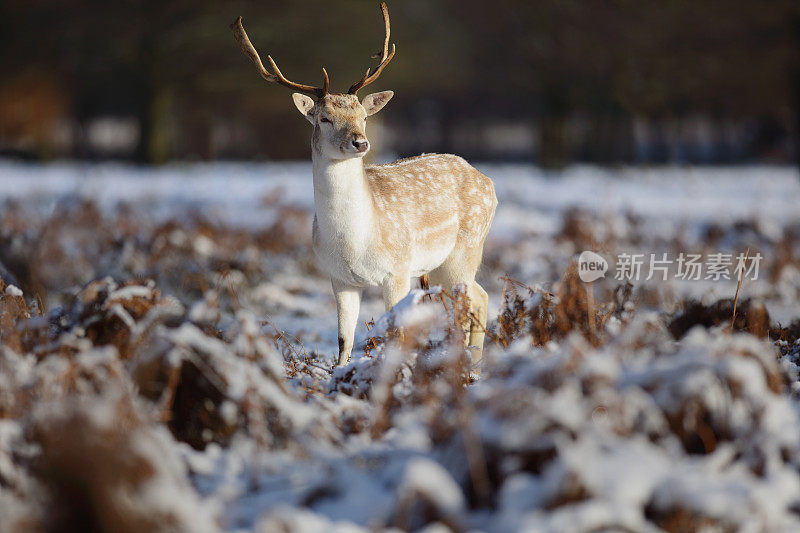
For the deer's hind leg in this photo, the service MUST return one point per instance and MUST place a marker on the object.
(460, 268)
(479, 305)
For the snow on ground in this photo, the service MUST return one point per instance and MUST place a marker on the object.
(234, 191)
(167, 343)
(669, 202)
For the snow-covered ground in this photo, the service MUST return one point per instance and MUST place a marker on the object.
(233, 192)
(668, 204)
(205, 398)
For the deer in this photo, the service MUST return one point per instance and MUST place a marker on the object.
(383, 225)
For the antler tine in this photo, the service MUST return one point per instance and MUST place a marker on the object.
(250, 51)
(280, 78)
(361, 82)
(386, 56)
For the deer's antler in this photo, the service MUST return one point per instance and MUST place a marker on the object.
(386, 57)
(250, 51)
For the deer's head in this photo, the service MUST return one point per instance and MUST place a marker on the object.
(339, 120)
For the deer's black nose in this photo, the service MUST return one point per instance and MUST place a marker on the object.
(361, 144)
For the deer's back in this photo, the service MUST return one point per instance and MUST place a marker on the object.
(432, 200)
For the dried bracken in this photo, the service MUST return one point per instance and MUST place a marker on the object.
(547, 317)
(751, 316)
(176, 373)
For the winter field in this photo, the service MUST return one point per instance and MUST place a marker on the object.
(168, 345)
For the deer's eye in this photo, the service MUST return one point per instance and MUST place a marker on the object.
(324, 120)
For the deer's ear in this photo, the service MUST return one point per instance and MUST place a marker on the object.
(374, 102)
(305, 105)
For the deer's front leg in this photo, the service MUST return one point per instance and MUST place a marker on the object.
(348, 300)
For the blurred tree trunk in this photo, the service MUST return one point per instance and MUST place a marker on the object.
(146, 95)
(162, 130)
(154, 115)
(153, 103)
(795, 133)
(554, 142)
(144, 115)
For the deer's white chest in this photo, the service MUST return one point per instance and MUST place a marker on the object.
(343, 251)
(344, 226)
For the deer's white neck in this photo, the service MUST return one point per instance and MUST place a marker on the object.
(342, 199)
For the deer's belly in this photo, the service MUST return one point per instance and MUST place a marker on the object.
(362, 263)
(432, 244)
(427, 257)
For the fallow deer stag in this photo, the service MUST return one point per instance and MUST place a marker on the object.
(381, 225)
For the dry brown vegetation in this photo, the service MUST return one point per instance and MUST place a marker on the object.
(146, 362)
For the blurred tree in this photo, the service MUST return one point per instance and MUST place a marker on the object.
(652, 59)
(173, 66)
